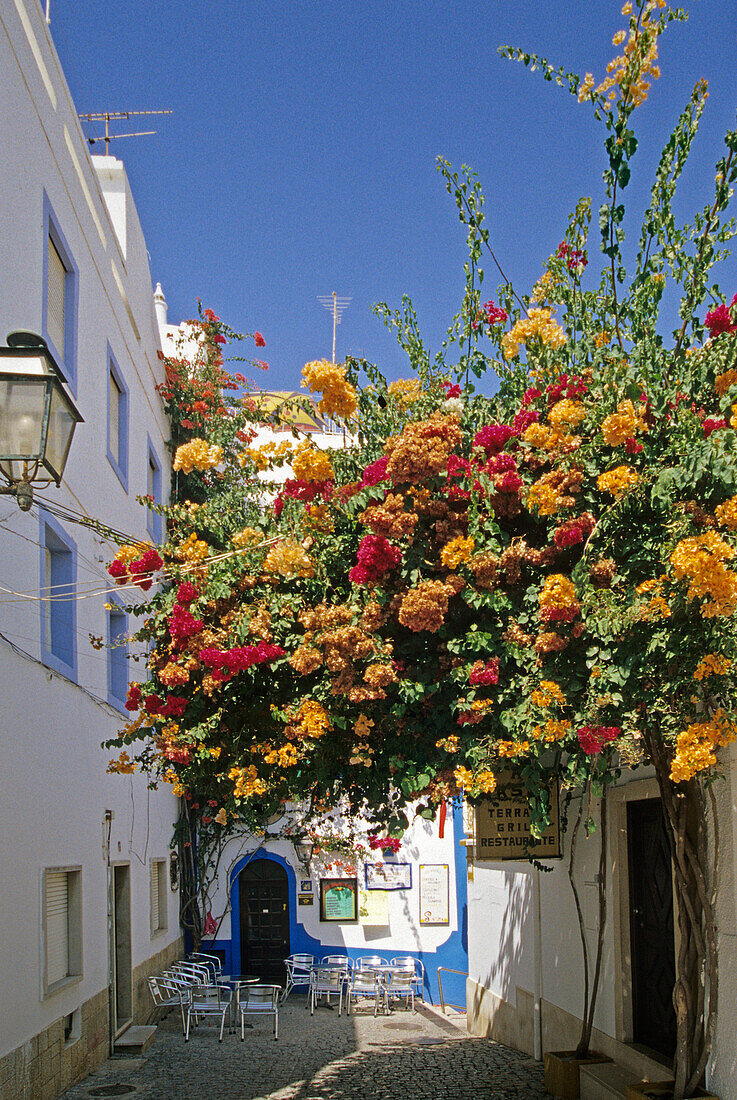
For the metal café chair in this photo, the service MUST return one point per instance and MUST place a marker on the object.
(326, 982)
(366, 962)
(259, 1000)
(299, 968)
(192, 972)
(366, 985)
(212, 962)
(206, 1000)
(401, 984)
(165, 995)
(412, 963)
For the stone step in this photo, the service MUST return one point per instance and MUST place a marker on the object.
(135, 1040)
(607, 1081)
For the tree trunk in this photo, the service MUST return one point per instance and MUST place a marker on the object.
(696, 989)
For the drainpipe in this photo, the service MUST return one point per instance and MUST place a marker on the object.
(107, 825)
(538, 953)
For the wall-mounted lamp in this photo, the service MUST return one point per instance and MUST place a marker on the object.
(37, 419)
(303, 848)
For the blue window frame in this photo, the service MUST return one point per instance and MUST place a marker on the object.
(118, 404)
(60, 296)
(154, 522)
(58, 597)
(117, 655)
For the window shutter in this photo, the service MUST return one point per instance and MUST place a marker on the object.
(56, 299)
(57, 926)
(154, 897)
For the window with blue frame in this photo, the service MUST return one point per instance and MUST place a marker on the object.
(58, 598)
(117, 655)
(60, 294)
(117, 420)
(154, 521)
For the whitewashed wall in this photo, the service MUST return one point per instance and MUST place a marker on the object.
(54, 789)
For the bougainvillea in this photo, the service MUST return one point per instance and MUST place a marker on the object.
(541, 580)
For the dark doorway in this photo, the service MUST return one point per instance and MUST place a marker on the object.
(264, 917)
(122, 976)
(651, 927)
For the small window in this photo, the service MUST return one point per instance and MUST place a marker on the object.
(159, 895)
(59, 296)
(117, 664)
(117, 421)
(154, 521)
(62, 901)
(58, 599)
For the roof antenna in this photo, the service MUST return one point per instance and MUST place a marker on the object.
(337, 306)
(107, 116)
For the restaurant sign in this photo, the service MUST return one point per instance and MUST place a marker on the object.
(503, 824)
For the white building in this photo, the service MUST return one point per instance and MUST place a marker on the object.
(86, 908)
(525, 983)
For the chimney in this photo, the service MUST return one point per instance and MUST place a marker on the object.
(160, 307)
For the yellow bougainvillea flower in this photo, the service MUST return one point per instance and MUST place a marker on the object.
(289, 560)
(617, 481)
(338, 395)
(197, 455)
(310, 464)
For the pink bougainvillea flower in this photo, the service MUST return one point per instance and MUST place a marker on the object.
(259, 340)
(720, 320)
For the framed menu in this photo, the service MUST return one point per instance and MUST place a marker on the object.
(434, 896)
(339, 899)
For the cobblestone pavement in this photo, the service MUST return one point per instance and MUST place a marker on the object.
(324, 1057)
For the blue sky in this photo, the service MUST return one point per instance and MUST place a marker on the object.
(300, 157)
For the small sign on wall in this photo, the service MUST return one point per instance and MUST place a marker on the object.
(306, 885)
(388, 876)
(503, 824)
(373, 908)
(434, 896)
(306, 899)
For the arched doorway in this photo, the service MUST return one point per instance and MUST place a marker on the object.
(264, 919)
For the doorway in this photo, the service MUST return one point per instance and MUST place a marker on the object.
(652, 940)
(122, 1001)
(264, 919)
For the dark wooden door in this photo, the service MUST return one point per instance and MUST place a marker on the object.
(264, 916)
(651, 927)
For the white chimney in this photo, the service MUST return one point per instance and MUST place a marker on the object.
(161, 307)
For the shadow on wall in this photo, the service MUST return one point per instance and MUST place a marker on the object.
(506, 964)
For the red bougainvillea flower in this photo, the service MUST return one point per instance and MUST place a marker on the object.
(485, 674)
(720, 319)
(182, 624)
(711, 424)
(219, 338)
(493, 437)
(452, 389)
(375, 472)
(593, 738)
(117, 570)
(376, 556)
(531, 394)
(259, 340)
(186, 593)
(133, 702)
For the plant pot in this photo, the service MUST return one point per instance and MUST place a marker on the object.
(562, 1077)
(660, 1090)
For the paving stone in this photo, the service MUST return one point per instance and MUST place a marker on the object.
(324, 1057)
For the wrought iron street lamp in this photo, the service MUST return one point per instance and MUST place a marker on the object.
(304, 848)
(37, 418)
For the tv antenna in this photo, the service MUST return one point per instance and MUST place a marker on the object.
(114, 116)
(337, 306)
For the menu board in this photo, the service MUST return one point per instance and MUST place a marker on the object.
(434, 898)
(338, 899)
(388, 876)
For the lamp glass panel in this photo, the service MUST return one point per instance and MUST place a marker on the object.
(62, 422)
(21, 417)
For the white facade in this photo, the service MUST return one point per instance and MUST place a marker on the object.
(74, 269)
(525, 961)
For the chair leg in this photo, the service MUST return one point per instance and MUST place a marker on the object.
(276, 1023)
(186, 1031)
